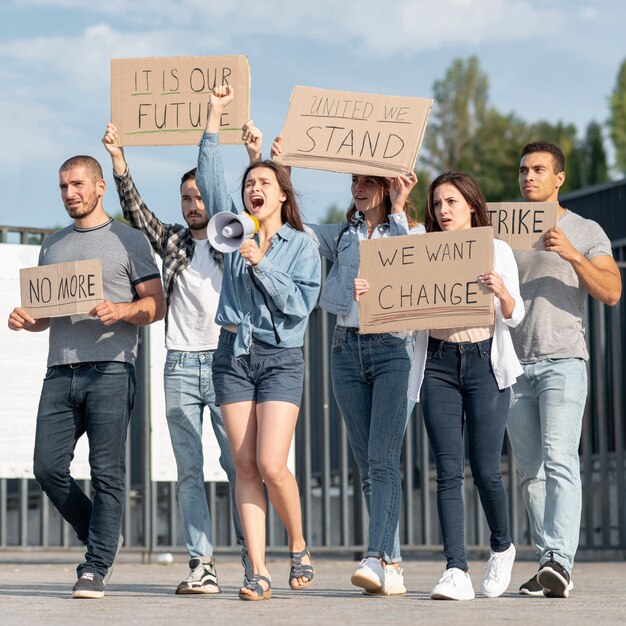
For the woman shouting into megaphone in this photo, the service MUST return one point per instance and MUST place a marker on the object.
(269, 289)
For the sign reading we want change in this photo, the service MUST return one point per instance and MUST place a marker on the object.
(357, 133)
(165, 101)
(426, 281)
(61, 288)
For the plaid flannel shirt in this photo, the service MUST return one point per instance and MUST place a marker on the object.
(172, 242)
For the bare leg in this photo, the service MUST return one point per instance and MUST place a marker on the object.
(276, 423)
(240, 422)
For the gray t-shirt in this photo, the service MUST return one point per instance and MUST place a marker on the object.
(126, 261)
(554, 298)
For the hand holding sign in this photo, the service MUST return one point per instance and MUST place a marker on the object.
(555, 240)
(19, 319)
(107, 312)
(494, 282)
(400, 188)
(253, 140)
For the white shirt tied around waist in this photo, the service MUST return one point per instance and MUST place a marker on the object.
(506, 365)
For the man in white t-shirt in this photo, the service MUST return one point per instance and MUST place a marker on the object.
(192, 278)
(545, 419)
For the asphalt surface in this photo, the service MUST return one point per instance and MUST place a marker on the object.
(35, 588)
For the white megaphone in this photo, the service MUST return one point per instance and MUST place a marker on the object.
(227, 231)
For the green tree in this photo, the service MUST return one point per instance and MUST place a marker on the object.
(593, 167)
(617, 120)
(334, 215)
(459, 111)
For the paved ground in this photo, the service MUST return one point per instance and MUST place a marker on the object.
(35, 589)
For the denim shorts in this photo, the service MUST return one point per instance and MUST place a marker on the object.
(266, 374)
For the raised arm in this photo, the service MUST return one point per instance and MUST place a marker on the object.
(210, 174)
(134, 208)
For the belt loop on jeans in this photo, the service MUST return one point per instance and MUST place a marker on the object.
(349, 329)
(440, 347)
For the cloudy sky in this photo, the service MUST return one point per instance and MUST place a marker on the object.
(554, 60)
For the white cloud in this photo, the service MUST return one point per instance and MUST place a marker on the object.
(368, 26)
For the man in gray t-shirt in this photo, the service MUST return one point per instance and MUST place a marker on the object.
(549, 398)
(90, 383)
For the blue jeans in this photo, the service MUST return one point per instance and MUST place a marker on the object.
(97, 399)
(459, 380)
(370, 378)
(188, 390)
(544, 428)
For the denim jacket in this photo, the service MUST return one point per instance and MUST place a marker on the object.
(289, 273)
(338, 291)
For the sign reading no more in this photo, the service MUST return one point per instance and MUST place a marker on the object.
(61, 288)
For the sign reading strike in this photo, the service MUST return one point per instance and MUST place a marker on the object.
(165, 101)
(61, 288)
(522, 224)
(358, 133)
(426, 281)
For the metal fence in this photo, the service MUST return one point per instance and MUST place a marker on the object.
(334, 514)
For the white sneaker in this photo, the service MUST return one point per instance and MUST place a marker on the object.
(369, 575)
(498, 572)
(455, 584)
(393, 583)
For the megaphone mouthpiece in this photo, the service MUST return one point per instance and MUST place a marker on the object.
(234, 229)
(227, 231)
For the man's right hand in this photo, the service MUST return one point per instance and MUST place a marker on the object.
(19, 319)
(110, 140)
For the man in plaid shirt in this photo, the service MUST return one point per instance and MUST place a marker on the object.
(192, 278)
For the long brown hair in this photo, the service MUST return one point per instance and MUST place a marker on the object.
(409, 209)
(290, 211)
(470, 191)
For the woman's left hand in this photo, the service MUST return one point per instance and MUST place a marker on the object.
(399, 189)
(361, 286)
(250, 250)
(493, 281)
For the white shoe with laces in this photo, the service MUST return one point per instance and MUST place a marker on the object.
(498, 572)
(455, 584)
(369, 575)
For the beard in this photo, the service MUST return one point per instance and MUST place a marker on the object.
(198, 224)
(85, 208)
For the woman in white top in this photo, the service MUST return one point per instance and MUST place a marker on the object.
(468, 372)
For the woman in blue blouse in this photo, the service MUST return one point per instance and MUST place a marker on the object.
(269, 289)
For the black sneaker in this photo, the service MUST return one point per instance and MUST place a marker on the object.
(531, 587)
(89, 585)
(554, 579)
(202, 578)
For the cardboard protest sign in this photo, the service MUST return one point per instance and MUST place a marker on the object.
(61, 288)
(522, 224)
(357, 133)
(165, 101)
(426, 281)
